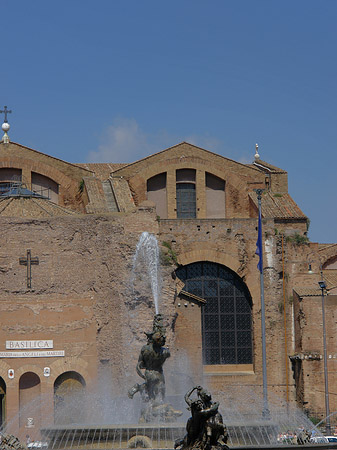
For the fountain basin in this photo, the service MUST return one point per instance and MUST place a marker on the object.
(253, 435)
(112, 436)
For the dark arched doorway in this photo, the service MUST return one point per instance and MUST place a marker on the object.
(29, 400)
(226, 314)
(69, 399)
(2, 402)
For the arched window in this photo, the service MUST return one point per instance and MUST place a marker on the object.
(156, 192)
(226, 314)
(8, 177)
(186, 196)
(45, 186)
(215, 197)
(69, 398)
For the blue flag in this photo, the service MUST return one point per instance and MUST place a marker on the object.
(259, 245)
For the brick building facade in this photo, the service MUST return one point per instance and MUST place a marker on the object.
(69, 233)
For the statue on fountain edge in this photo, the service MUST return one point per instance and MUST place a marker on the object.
(205, 428)
(150, 367)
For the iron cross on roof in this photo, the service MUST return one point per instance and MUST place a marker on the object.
(5, 111)
(29, 261)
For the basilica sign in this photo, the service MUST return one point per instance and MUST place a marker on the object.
(32, 354)
(31, 349)
(28, 345)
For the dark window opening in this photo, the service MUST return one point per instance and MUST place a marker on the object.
(186, 201)
(227, 314)
(185, 193)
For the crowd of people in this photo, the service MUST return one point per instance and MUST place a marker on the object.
(300, 436)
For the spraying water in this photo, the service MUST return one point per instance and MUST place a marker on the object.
(147, 255)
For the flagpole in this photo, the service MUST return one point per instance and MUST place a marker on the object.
(259, 251)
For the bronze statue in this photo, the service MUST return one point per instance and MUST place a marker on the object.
(151, 359)
(150, 367)
(205, 428)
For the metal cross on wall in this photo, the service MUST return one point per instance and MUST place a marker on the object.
(29, 261)
(5, 111)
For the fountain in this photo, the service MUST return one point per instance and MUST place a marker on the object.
(151, 358)
(150, 420)
(147, 256)
(205, 428)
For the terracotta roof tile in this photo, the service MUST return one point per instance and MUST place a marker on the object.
(308, 292)
(330, 278)
(278, 206)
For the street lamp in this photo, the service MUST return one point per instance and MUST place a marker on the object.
(322, 285)
(259, 251)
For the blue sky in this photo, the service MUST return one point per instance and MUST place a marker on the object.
(116, 80)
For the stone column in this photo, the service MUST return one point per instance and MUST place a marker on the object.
(201, 193)
(171, 194)
(12, 406)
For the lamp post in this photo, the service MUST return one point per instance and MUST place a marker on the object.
(322, 285)
(265, 411)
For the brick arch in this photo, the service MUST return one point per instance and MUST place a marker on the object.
(74, 364)
(206, 254)
(205, 165)
(328, 260)
(35, 368)
(39, 167)
(236, 183)
(4, 367)
(328, 255)
(202, 252)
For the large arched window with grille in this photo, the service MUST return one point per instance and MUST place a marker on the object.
(226, 314)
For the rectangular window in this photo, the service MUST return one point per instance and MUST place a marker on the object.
(186, 201)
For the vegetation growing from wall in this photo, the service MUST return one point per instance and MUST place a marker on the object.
(167, 255)
(81, 186)
(297, 239)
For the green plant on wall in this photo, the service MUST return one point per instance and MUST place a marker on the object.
(81, 186)
(168, 256)
(308, 224)
(298, 239)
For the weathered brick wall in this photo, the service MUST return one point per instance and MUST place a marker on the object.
(309, 325)
(233, 243)
(239, 177)
(66, 175)
(80, 297)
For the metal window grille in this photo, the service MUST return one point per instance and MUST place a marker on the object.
(226, 316)
(186, 201)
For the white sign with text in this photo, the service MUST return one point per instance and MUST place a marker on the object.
(28, 345)
(32, 354)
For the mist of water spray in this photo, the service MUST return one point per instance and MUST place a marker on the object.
(147, 254)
